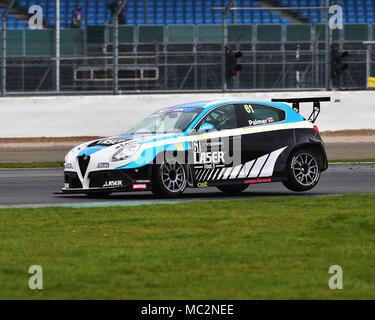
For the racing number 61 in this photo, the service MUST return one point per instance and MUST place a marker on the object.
(196, 147)
(248, 108)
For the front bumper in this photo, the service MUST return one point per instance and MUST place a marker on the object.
(108, 181)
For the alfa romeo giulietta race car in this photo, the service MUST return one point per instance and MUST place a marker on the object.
(226, 144)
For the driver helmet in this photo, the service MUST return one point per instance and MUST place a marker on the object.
(223, 118)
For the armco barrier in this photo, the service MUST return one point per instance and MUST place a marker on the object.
(60, 116)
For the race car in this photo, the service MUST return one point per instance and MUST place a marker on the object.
(225, 144)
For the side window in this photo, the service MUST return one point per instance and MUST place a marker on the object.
(255, 114)
(222, 118)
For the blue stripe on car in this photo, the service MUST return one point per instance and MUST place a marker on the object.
(90, 151)
(148, 155)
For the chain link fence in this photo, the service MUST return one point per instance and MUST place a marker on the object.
(179, 58)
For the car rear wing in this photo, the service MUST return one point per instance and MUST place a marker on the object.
(316, 105)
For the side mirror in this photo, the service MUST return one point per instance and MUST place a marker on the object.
(206, 127)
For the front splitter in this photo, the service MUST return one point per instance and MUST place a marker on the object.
(98, 190)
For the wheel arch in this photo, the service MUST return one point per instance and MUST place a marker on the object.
(183, 154)
(317, 149)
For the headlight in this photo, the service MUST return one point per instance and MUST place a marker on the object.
(125, 152)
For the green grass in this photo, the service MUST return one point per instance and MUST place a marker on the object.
(245, 249)
(28, 165)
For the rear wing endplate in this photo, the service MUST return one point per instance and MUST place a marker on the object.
(316, 105)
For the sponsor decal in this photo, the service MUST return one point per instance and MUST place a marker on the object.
(68, 166)
(103, 165)
(110, 142)
(206, 157)
(166, 110)
(170, 110)
(202, 184)
(270, 119)
(196, 147)
(206, 127)
(257, 122)
(184, 109)
(205, 144)
(139, 186)
(258, 180)
(115, 183)
(66, 185)
(179, 146)
(209, 166)
(335, 100)
(141, 181)
(248, 108)
(209, 157)
(188, 109)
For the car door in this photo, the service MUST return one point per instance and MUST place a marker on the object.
(213, 150)
(263, 147)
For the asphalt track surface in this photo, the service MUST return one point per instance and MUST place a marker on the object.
(35, 187)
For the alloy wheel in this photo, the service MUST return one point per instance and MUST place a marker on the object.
(305, 169)
(173, 176)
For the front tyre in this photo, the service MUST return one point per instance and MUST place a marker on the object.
(233, 190)
(303, 171)
(169, 179)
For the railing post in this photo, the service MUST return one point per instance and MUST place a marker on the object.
(328, 49)
(225, 43)
(3, 56)
(115, 46)
(57, 45)
(223, 51)
(4, 51)
(115, 55)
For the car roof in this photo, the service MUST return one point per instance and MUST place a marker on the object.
(212, 103)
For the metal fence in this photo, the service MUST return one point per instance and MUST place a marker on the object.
(163, 60)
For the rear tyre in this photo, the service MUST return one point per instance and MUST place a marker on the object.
(233, 190)
(169, 179)
(303, 171)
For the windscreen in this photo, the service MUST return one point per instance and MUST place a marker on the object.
(167, 120)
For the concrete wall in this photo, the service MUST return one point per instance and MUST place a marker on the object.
(108, 115)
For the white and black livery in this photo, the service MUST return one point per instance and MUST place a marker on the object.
(225, 144)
